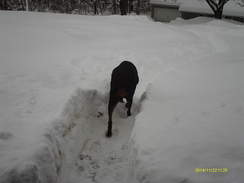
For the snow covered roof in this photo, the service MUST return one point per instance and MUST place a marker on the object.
(165, 2)
(195, 6)
(201, 6)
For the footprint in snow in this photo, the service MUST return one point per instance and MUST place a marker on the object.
(5, 135)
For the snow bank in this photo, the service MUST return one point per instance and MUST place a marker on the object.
(193, 116)
(44, 58)
(63, 141)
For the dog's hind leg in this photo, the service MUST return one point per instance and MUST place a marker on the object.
(112, 103)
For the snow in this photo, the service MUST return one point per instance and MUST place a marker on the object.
(231, 8)
(188, 108)
(193, 117)
(165, 2)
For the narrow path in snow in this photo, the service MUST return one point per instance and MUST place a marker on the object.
(90, 156)
(101, 159)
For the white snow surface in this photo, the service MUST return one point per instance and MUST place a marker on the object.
(188, 108)
(165, 2)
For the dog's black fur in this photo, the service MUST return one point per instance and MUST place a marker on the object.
(124, 80)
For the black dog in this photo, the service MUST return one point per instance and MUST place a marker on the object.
(123, 84)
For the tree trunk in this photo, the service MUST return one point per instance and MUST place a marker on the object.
(138, 7)
(218, 14)
(130, 6)
(5, 6)
(26, 5)
(48, 4)
(123, 4)
(123, 7)
(80, 7)
(95, 7)
(22, 5)
(114, 7)
(217, 7)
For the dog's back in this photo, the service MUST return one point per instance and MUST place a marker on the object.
(124, 76)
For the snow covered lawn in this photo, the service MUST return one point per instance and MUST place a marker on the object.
(54, 80)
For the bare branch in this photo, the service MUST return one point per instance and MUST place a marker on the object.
(222, 3)
(212, 5)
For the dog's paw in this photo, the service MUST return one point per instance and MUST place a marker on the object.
(109, 134)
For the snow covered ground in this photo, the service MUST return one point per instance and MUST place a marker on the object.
(54, 80)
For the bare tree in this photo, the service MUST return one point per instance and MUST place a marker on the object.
(217, 6)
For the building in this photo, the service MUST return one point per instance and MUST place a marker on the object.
(164, 11)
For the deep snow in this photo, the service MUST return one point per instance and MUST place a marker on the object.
(54, 81)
